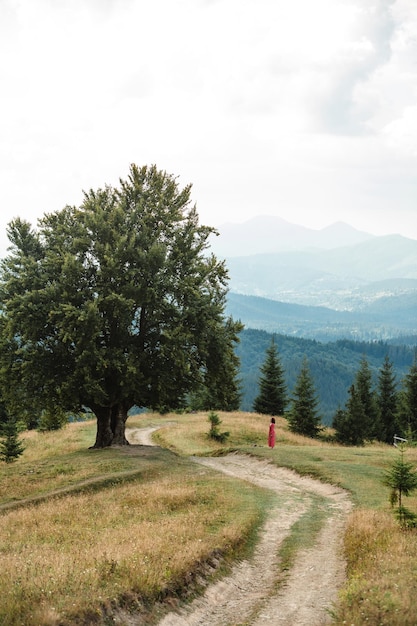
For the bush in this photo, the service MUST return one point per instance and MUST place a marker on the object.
(214, 432)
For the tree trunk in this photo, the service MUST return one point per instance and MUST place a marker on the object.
(118, 425)
(111, 423)
(104, 435)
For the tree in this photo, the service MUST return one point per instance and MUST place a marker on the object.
(302, 416)
(402, 479)
(223, 366)
(350, 424)
(366, 395)
(409, 400)
(359, 421)
(271, 399)
(10, 446)
(114, 304)
(214, 432)
(387, 402)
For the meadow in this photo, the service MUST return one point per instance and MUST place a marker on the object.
(84, 532)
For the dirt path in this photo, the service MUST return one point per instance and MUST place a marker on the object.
(251, 594)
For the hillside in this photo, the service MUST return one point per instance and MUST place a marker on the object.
(342, 278)
(337, 267)
(385, 317)
(333, 365)
(270, 234)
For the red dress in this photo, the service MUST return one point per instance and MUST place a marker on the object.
(271, 435)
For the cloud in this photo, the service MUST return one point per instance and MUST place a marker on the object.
(299, 108)
(368, 48)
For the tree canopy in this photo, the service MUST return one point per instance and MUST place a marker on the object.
(271, 399)
(115, 303)
(302, 416)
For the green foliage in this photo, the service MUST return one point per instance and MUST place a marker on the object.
(333, 365)
(52, 418)
(116, 303)
(402, 480)
(214, 432)
(271, 399)
(365, 394)
(302, 416)
(351, 424)
(220, 388)
(387, 402)
(10, 445)
(408, 411)
(405, 517)
(368, 414)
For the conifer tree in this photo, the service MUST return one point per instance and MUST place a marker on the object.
(223, 366)
(366, 395)
(409, 397)
(302, 416)
(402, 479)
(387, 402)
(10, 445)
(272, 397)
(350, 424)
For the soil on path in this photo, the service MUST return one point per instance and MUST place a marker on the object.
(256, 593)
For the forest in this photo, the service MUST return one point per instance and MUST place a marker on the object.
(332, 365)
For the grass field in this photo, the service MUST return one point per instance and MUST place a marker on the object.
(114, 527)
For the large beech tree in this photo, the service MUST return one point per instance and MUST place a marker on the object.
(113, 304)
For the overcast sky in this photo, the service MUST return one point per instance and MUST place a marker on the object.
(297, 108)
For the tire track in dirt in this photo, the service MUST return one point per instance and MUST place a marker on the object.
(255, 593)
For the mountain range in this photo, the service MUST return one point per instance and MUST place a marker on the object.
(269, 234)
(345, 282)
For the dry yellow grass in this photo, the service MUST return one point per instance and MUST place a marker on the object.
(382, 561)
(188, 434)
(60, 459)
(72, 555)
(382, 558)
(81, 552)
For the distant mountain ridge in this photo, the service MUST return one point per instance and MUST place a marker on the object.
(339, 269)
(338, 278)
(389, 318)
(268, 234)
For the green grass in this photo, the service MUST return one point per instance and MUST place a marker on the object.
(357, 469)
(303, 532)
(134, 524)
(111, 526)
(381, 557)
(59, 460)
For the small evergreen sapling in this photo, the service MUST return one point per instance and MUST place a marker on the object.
(214, 432)
(402, 479)
(10, 446)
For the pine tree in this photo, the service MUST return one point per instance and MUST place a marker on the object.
(350, 424)
(409, 397)
(220, 390)
(10, 446)
(302, 417)
(387, 402)
(272, 397)
(363, 389)
(402, 479)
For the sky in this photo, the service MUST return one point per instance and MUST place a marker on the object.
(298, 109)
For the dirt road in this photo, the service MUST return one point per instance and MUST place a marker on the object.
(255, 592)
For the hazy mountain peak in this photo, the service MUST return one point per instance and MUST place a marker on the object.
(342, 227)
(271, 234)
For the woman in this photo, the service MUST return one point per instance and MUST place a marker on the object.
(271, 435)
